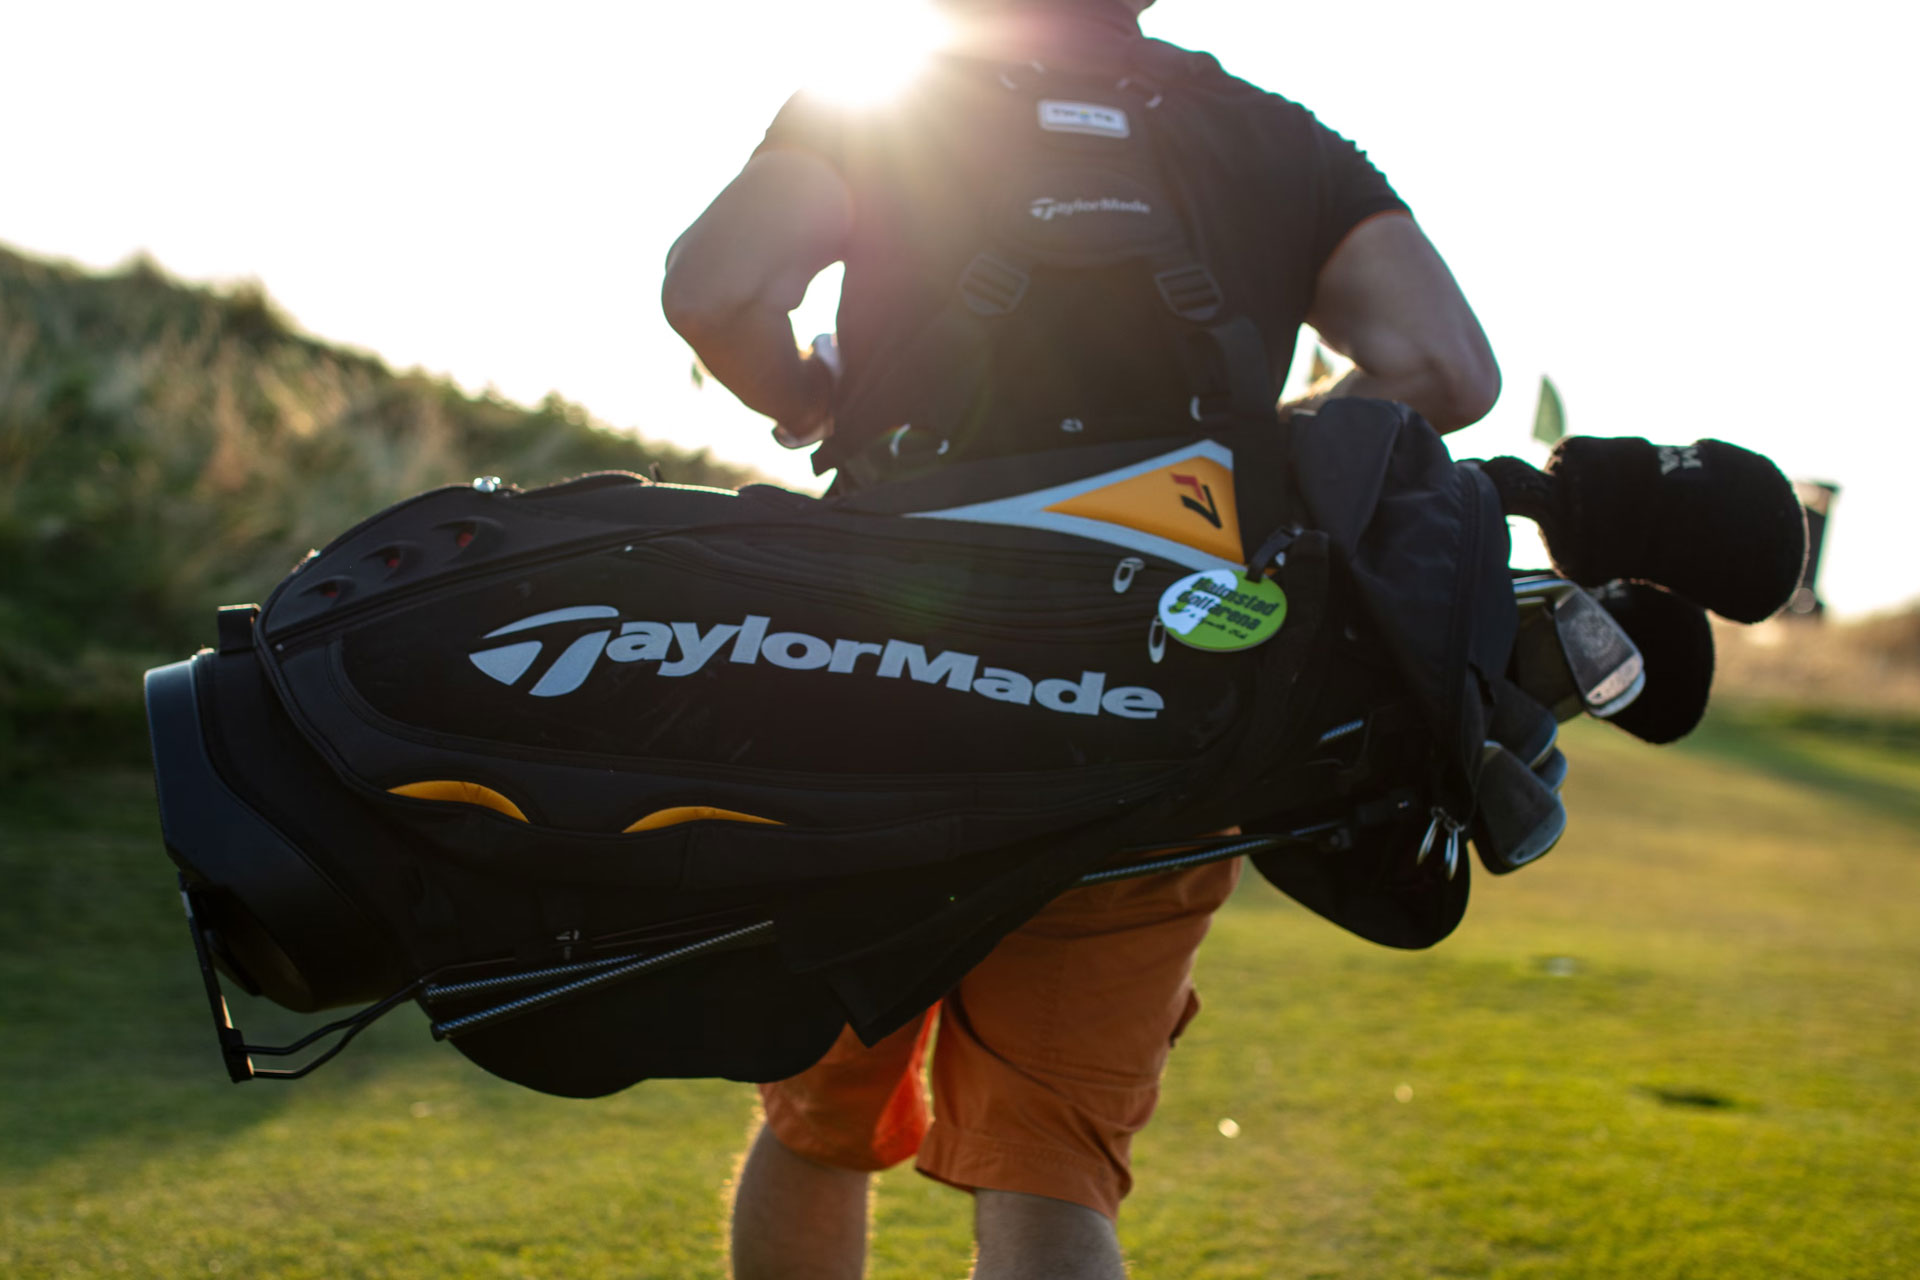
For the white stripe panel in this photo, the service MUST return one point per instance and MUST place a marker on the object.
(507, 663)
(1099, 530)
(1029, 510)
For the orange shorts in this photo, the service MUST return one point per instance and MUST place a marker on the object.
(1048, 1056)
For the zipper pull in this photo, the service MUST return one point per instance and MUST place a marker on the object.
(1124, 571)
(1157, 639)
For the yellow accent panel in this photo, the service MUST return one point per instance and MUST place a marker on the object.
(1151, 503)
(461, 793)
(695, 813)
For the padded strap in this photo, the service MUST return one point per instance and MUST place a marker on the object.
(940, 377)
(1263, 495)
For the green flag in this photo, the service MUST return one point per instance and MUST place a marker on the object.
(1549, 418)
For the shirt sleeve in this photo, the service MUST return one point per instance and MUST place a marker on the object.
(808, 123)
(1353, 190)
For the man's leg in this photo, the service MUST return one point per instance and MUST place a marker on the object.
(800, 1209)
(1023, 1237)
(1049, 1061)
(797, 1220)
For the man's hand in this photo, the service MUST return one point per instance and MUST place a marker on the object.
(1386, 301)
(824, 363)
(743, 265)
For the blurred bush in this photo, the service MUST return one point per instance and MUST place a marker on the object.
(167, 448)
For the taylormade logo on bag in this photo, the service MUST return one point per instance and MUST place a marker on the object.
(1046, 208)
(682, 648)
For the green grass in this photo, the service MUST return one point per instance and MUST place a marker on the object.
(1685, 1045)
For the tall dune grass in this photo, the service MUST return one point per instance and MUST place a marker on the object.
(166, 448)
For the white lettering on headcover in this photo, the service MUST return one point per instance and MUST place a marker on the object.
(797, 651)
(1680, 458)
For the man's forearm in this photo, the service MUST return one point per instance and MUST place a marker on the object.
(1387, 302)
(1429, 396)
(1354, 383)
(752, 353)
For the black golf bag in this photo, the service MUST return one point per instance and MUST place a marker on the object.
(623, 779)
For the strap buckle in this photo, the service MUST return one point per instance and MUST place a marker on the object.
(1190, 292)
(992, 286)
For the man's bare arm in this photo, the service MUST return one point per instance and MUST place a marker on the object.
(733, 276)
(1386, 301)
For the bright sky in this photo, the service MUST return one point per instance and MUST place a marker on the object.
(1693, 214)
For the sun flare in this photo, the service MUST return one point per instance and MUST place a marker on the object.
(872, 49)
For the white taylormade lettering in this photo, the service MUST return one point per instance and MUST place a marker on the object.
(847, 652)
(1003, 685)
(695, 648)
(642, 642)
(752, 643)
(954, 668)
(752, 631)
(1133, 702)
(796, 651)
(507, 663)
(569, 670)
(1046, 208)
(1082, 699)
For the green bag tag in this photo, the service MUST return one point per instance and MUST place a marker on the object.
(1223, 610)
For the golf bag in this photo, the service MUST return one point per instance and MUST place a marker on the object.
(823, 755)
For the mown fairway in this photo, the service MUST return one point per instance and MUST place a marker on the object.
(1685, 1045)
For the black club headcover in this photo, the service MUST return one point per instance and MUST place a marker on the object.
(1677, 642)
(1711, 521)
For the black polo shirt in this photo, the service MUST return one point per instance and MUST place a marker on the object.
(1271, 191)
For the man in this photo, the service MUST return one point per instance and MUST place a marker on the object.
(1049, 1053)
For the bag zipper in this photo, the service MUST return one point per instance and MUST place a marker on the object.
(1093, 615)
(291, 637)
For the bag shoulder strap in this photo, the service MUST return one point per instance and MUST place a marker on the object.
(1088, 187)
